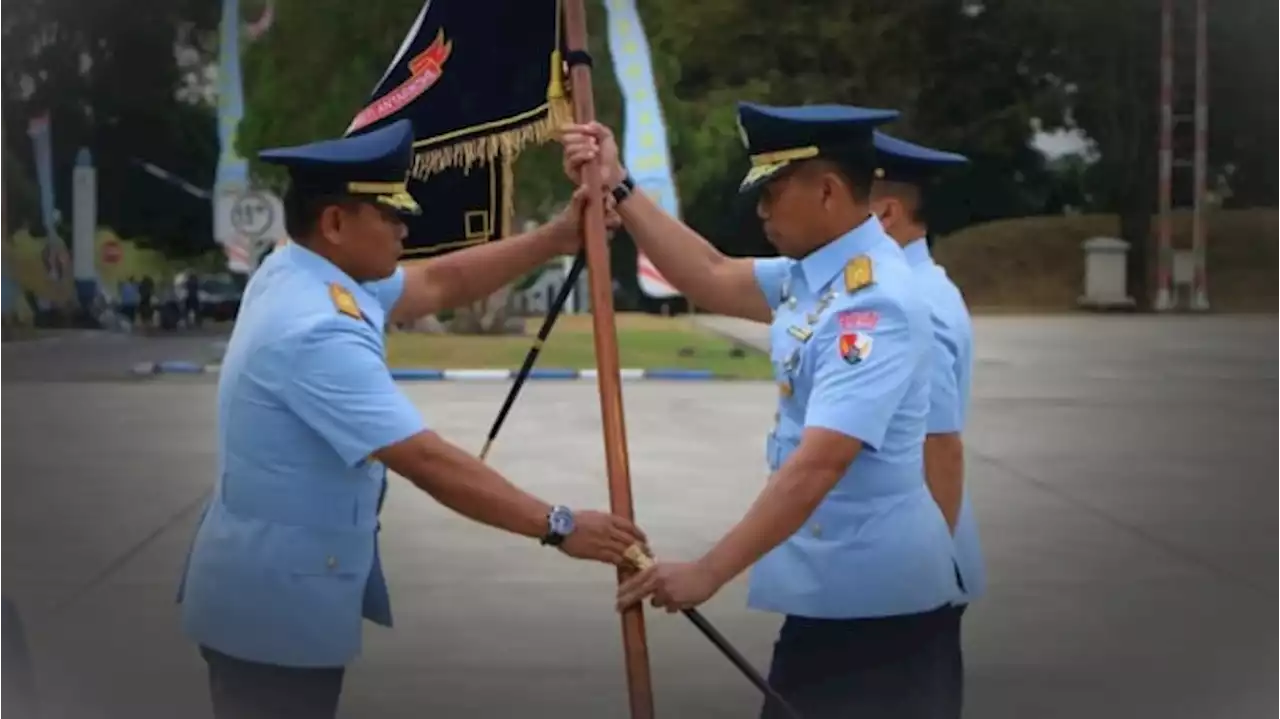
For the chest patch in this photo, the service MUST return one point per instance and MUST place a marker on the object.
(855, 347)
(853, 320)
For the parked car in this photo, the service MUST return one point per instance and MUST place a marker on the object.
(220, 297)
(220, 294)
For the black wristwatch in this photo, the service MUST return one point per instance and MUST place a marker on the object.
(559, 526)
(624, 189)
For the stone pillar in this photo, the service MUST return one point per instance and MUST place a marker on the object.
(1104, 274)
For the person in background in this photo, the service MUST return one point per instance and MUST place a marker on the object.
(899, 198)
(146, 300)
(191, 285)
(129, 299)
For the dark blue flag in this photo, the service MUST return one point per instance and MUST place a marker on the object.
(480, 80)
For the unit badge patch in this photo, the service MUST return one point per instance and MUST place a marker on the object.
(855, 347)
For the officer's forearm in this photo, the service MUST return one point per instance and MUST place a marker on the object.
(789, 498)
(466, 485)
(683, 256)
(944, 473)
(472, 274)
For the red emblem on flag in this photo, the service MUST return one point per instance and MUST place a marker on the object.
(424, 70)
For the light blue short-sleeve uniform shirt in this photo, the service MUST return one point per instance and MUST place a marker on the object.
(851, 348)
(949, 393)
(284, 565)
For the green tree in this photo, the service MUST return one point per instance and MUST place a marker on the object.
(315, 70)
(110, 83)
(1243, 99)
(953, 70)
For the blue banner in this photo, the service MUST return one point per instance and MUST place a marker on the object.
(645, 150)
(54, 254)
(232, 168)
(644, 139)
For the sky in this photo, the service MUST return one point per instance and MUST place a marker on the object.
(1059, 143)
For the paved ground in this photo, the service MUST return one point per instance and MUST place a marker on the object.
(1122, 472)
(78, 355)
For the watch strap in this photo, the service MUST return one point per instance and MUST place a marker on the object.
(624, 189)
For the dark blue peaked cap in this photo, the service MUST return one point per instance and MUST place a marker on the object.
(776, 137)
(373, 166)
(902, 161)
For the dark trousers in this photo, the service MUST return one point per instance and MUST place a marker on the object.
(242, 689)
(900, 667)
(954, 641)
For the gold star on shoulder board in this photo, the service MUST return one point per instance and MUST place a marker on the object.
(344, 301)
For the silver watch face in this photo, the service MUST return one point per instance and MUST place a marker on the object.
(561, 521)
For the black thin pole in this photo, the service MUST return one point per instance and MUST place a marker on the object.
(694, 616)
(579, 263)
(740, 662)
(637, 557)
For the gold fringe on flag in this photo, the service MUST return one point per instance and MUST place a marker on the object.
(556, 113)
(508, 207)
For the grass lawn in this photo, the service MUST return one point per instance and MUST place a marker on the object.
(644, 342)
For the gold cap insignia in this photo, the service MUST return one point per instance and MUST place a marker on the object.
(857, 274)
(344, 301)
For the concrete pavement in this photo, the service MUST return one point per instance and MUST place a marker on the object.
(100, 355)
(1122, 471)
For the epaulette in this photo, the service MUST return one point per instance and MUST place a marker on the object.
(858, 274)
(344, 301)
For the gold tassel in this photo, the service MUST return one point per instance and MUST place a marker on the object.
(561, 112)
(508, 195)
(558, 97)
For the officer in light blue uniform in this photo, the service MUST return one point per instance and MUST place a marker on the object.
(851, 547)
(905, 175)
(285, 563)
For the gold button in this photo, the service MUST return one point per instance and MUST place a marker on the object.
(331, 562)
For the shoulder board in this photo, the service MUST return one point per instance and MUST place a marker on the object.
(344, 301)
(858, 274)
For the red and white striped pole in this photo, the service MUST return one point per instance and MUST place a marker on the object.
(1164, 255)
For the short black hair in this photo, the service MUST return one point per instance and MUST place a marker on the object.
(302, 211)
(911, 196)
(856, 171)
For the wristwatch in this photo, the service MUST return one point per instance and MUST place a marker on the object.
(623, 189)
(559, 525)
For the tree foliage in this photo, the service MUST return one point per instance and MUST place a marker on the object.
(974, 76)
(110, 83)
(315, 70)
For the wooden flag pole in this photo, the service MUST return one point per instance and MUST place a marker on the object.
(635, 647)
